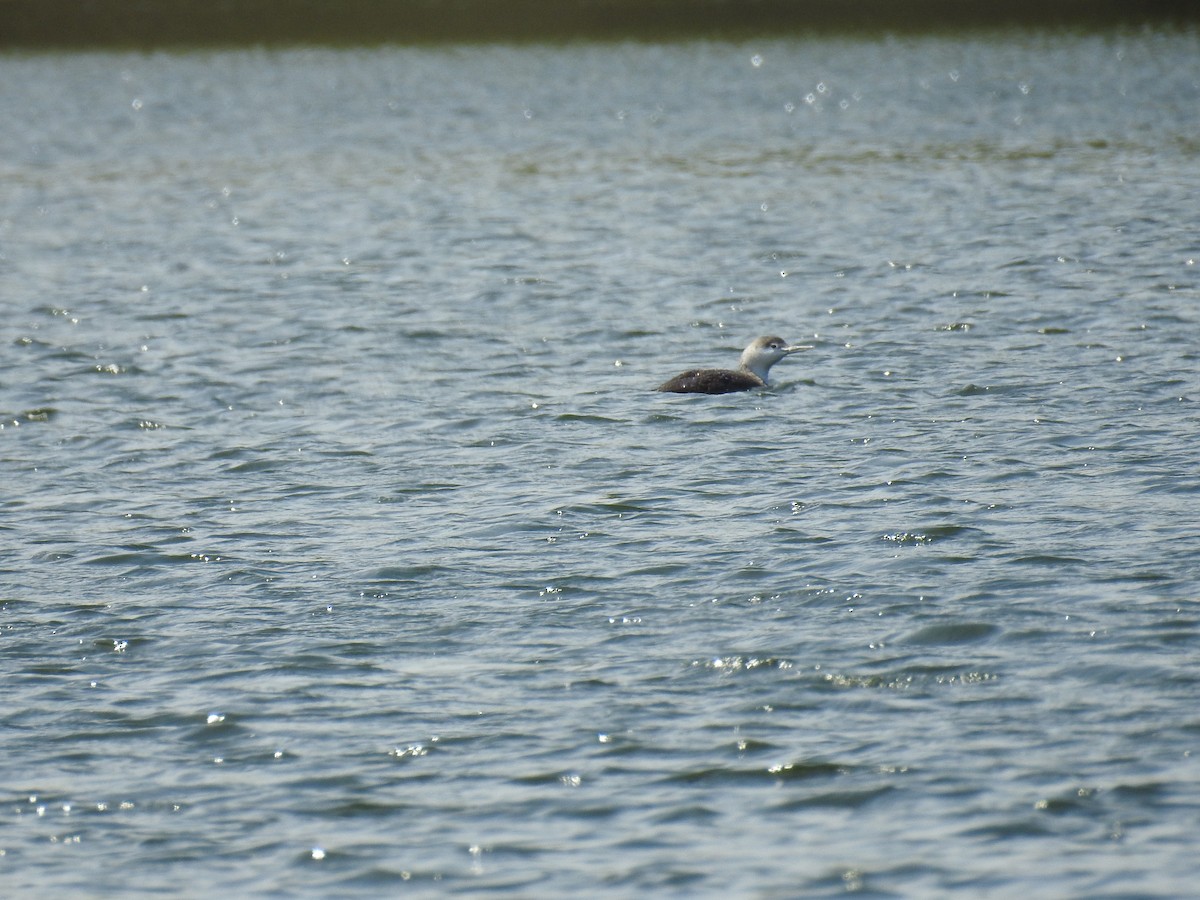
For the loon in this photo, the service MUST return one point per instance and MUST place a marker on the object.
(757, 360)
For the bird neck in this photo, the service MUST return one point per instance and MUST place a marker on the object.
(759, 371)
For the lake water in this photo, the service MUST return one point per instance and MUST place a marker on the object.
(346, 550)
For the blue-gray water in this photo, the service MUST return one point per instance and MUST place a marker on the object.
(345, 549)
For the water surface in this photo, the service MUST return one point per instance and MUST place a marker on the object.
(347, 550)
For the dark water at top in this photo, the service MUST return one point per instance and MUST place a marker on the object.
(127, 24)
(345, 550)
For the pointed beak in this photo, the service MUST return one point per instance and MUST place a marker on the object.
(797, 348)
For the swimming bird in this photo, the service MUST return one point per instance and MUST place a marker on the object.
(757, 360)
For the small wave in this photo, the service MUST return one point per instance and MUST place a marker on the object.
(955, 633)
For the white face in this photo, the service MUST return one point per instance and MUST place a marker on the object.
(773, 349)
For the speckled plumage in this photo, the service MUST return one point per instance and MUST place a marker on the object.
(711, 381)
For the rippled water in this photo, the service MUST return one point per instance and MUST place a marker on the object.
(346, 548)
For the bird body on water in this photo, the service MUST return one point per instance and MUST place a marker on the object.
(756, 362)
